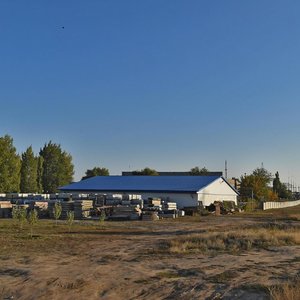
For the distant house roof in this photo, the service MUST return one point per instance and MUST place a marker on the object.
(175, 184)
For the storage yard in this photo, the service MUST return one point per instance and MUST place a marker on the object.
(90, 206)
(152, 260)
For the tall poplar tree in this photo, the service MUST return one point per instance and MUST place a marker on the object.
(58, 168)
(28, 183)
(39, 179)
(10, 165)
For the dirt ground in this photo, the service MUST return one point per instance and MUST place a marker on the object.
(119, 260)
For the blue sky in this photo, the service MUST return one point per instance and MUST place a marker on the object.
(165, 84)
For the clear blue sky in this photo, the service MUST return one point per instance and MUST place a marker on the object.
(165, 84)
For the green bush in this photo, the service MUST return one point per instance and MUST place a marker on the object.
(19, 214)
(70, 219)
(32, 219)
(57, 211)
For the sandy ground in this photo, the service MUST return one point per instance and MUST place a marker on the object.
(120, 262)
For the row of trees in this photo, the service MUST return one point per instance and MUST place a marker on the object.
(30, 173)
(53, 167)
(258, 186)
(98, 171)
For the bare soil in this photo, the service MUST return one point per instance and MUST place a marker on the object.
(121, 260)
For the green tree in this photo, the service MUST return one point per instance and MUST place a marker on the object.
(276, 183)
(70, 219)
(19, 214)
(58, 169)
(57, 210)
(32, 219)
(95, 172)
(10, 166)
(280, 188)
(146, 171)
(197, 171)
(29, 164)
(256, 184)
(39, 178)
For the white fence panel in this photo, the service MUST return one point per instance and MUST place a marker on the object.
(274, 205)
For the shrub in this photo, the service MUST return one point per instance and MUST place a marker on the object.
(19, 214)
(102, 218)
(70, 219)
(32, 219)
(57, 211)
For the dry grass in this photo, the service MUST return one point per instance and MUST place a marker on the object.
(289, 213)
(233, 241)
(287, 291)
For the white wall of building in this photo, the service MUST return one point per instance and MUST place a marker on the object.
(219, 190)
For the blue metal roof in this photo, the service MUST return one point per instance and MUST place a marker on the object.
(175, 184)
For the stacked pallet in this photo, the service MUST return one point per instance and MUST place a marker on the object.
(113, 199)
(132, 212)
(66, 206)
(170, 206)
(40, 206)
(82, 209)
(5, 209)
(51, 204)
(139, 202)
(155, 201)
(100, 200)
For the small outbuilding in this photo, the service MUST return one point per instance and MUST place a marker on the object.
(186, 191)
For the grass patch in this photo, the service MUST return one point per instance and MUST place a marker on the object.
(233, 242)
(167, 275)
(287, 291)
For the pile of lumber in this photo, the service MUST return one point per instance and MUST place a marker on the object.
(113, 200)
(130, 212)
(41, 207)
(5, 209)
(155, 201)
(51, 204)
(170, 206)
(66, 207)
(82, 209)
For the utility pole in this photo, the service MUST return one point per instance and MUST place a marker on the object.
(225, 169)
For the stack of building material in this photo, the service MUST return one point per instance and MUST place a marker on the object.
(139, 202)
(132, 212)
(80, 196)
(150, 216)
(5, 209)
(113, 200)
(155, 201)
(82, 208)
(99, 200)
(53, 196)
(40, 206)
(51, 204)
(170, 206)
(66, 206)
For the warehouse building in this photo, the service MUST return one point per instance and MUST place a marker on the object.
(186, 191)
